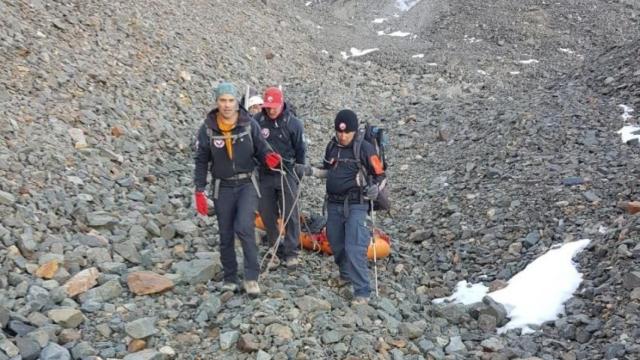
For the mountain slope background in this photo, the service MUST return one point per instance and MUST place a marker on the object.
(504, 143)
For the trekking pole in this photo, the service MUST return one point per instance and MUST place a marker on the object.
(373, 241)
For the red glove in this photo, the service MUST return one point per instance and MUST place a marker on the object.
(272, 160)
(201, 203)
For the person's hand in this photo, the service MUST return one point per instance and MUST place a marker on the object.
(303, 170)
(201, 203)
(272, 160)
(371, 192)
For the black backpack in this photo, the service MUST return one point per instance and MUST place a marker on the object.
(377, 137)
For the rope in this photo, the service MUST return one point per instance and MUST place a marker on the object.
(373, 242)
(273, 250)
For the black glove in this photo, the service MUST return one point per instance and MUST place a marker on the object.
(302, 170)
(371, 192)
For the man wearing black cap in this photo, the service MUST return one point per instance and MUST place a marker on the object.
(353, 171)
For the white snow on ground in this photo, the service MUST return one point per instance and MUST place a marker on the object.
(432, 64)
(534, 295)
(379, 20)
(527, 62)
(566, 51)
(355, 52)
(626, 112)
(629, 133)
(466, 293)
(417, 56)
(514, 72)
(395, 33)
(406, 5)
(537, 293)
(471, 39)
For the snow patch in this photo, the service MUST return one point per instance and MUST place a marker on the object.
(355, 52)
(514, 72)
(379, 20)
(566, 51)
(626, 112)
(534, 295)
(537, 293)
(417, 56)
(629, 133)
(395, 33)
(465, 294)
(530, 61)
(406, 5)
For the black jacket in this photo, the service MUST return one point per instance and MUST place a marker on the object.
(285, 136)
(343, 167)
(249, 148)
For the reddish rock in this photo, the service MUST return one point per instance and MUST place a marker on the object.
(82, 281)
(136, 345)
(47, 270)
(117, 131)
(147, 282)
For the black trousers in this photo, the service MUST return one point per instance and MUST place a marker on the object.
(271, 208)
(235, 209)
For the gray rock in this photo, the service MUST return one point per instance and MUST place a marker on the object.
(631, 280)
(426, 345)
(186, 227)
(309, 303)
(455, 345)
(6, 198)
(531, 239)
(66, 317)
(107, 291)
(410, 331)
(101, 218)
(54, 351)
(9, 347)
(495, 309)
(615, 351)
(4, 316)
(208, 309)
(228, 339)
(263, 355)
(141, 328)
(29, 348)
(591, 196)
(248, 343)
(83, 350)
(493, 344)
(487, 323)
(197, 271)
(37, 298)
(147, 354)
(127, 249)
(332, 336)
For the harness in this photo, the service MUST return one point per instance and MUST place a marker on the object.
(239, 178)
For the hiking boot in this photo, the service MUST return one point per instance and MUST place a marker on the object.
(359, 300)
(229, 286)
(292, 262)
(252, 288)
(273, 263)
(338, 282)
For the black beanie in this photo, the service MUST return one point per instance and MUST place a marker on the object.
(346, 120)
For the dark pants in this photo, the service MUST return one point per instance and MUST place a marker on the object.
(349, 239)
(235, 209)
(270, 204)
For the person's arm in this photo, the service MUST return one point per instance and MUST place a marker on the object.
(202, 159)
(297, 139)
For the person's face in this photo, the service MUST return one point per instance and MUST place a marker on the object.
(254, 109)
(273, 113)
(345, 138)
(227, 106)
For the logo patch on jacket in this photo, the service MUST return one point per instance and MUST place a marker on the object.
(218, 143)
(265, 133)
